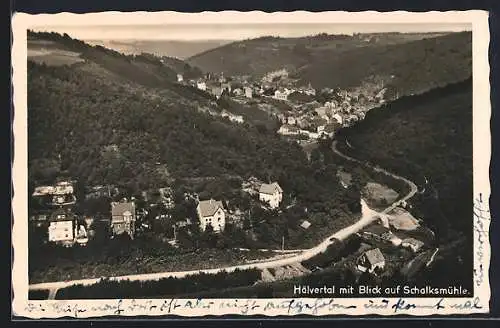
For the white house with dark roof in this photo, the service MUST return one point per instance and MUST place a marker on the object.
(271, 194)
(211, 212)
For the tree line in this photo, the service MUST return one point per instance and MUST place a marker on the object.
(165, 288)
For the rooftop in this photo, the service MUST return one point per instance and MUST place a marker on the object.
(374, 256)
(270, 189)
(306, 224)
(118, 209)
(43, 190)
(209, 207)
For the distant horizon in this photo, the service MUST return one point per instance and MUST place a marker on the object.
(173, 40)
(263, 36)
(239, 32)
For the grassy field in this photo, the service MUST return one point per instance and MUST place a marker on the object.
(51, 54)
(402, 220)
(429, 136)
(378, 195)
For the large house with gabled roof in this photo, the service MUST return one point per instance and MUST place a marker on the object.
(211, 212)
(271, 194)
(61, 227)
(123, 218)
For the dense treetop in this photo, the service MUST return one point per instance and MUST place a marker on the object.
(108, 128)
(412, 63)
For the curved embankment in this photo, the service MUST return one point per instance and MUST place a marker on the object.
(413, 186)
(367, 216)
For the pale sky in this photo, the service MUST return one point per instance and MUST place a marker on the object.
(192, 32)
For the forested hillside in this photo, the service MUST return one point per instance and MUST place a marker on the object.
(411, 63)
(430, 139)
(145, 69)
(179, 66)
(93, 121)
(260, 55)
(408, 68)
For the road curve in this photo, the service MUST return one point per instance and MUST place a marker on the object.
(413, 186)
(367, 216)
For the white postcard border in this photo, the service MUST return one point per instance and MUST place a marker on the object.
(479, 303)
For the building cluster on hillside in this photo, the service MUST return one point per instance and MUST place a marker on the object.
(313, 113)
(385, 235)
(127, 216)
(218, 85)
(309, 117)
(53, 209)
(275, 84)
(61, 194)
(313, 119)
(212, 212)
(54, 206)
(283, 93)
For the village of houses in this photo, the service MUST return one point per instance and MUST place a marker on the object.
(310, 119)
(303, 114)
(56, 203)
(126, 217)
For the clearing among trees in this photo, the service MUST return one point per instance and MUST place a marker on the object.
(378, 195)
(402, 220)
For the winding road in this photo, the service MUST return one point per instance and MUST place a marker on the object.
(413, 186)
(367, 216)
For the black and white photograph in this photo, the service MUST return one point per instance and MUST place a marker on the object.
(251, 163)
